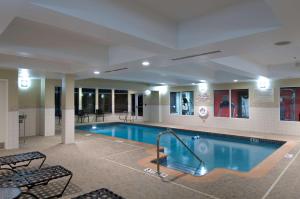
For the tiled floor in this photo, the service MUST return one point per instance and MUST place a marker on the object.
(98, 161)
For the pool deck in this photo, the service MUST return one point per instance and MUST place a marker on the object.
(99, 161)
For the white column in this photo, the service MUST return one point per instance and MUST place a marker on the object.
(68, 124)
(80, 99)
(129, 101)
(47, 108)
(96, 99)
(113, 101)
(11, 108)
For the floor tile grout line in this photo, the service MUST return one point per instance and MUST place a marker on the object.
(114, 141)
(280, 176)
(174, 183)
(115, 154)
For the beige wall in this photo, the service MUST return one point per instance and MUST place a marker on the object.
(264, 116)
(30, 98)
(12, 77)
(111, 84)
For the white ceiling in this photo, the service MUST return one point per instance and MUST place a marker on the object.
(74, 36)
(179, 10)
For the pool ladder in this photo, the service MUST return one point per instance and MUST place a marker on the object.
(172, 132)
(127, 117)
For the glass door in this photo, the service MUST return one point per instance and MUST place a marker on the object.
(133, 105)
(137, 108)
(140, 105)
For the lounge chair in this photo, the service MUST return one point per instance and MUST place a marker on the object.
(28, 179)
(82, 115)
(11, 162)
(99, 194)
(99, 113)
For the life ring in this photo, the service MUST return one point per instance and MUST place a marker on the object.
(203, 111)
(203, 147)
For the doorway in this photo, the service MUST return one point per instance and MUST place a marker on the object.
(137, 108)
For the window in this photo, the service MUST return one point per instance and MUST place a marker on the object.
(182, 103)
(76, 100)
(290, 104)
(57, 101)
(121, 101)
(88, 100)
(221, 103)
(105, 100)
(240, 103)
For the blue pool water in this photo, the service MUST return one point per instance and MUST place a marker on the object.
(217, 151)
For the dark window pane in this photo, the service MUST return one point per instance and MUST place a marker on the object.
(105, 91)
(105, 100)
(88, 100)
(133, 104)
(121, 91)
(121, 101)
(140, 105)
(240, 103)
(76, 100)
(221, 103)
(57, 101)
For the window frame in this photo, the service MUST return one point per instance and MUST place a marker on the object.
(126, 92)
(180, 109)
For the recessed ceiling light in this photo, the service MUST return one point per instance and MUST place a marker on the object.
(235, 80)
(282, 43)
(23, 54)
(96, 72)
(145, 63)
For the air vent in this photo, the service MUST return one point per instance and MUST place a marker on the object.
(115, 70)
(197, 55)
(282, 43)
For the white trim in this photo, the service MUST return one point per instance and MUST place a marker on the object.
(5, 112)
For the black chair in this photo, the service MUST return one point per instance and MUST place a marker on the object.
(99, 194)
(28, 179)
(82, 115)
(99, 113)
(12, 162)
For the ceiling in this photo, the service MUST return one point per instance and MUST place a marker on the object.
(55, 37)
(179, 10)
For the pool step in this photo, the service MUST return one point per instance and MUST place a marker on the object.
(200, 171)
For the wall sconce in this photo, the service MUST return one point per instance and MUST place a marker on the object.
(203, 87)
(263, 83)
(24, 82)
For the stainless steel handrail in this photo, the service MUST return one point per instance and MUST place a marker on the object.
(125, 114)
(170, 131)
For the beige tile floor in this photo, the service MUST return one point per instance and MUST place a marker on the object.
(98, 161)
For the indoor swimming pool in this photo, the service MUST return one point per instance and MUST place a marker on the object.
(216, 150)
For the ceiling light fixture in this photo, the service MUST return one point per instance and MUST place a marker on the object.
(146, 63)
(235, 80)
(96, 72)
(202, 81)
